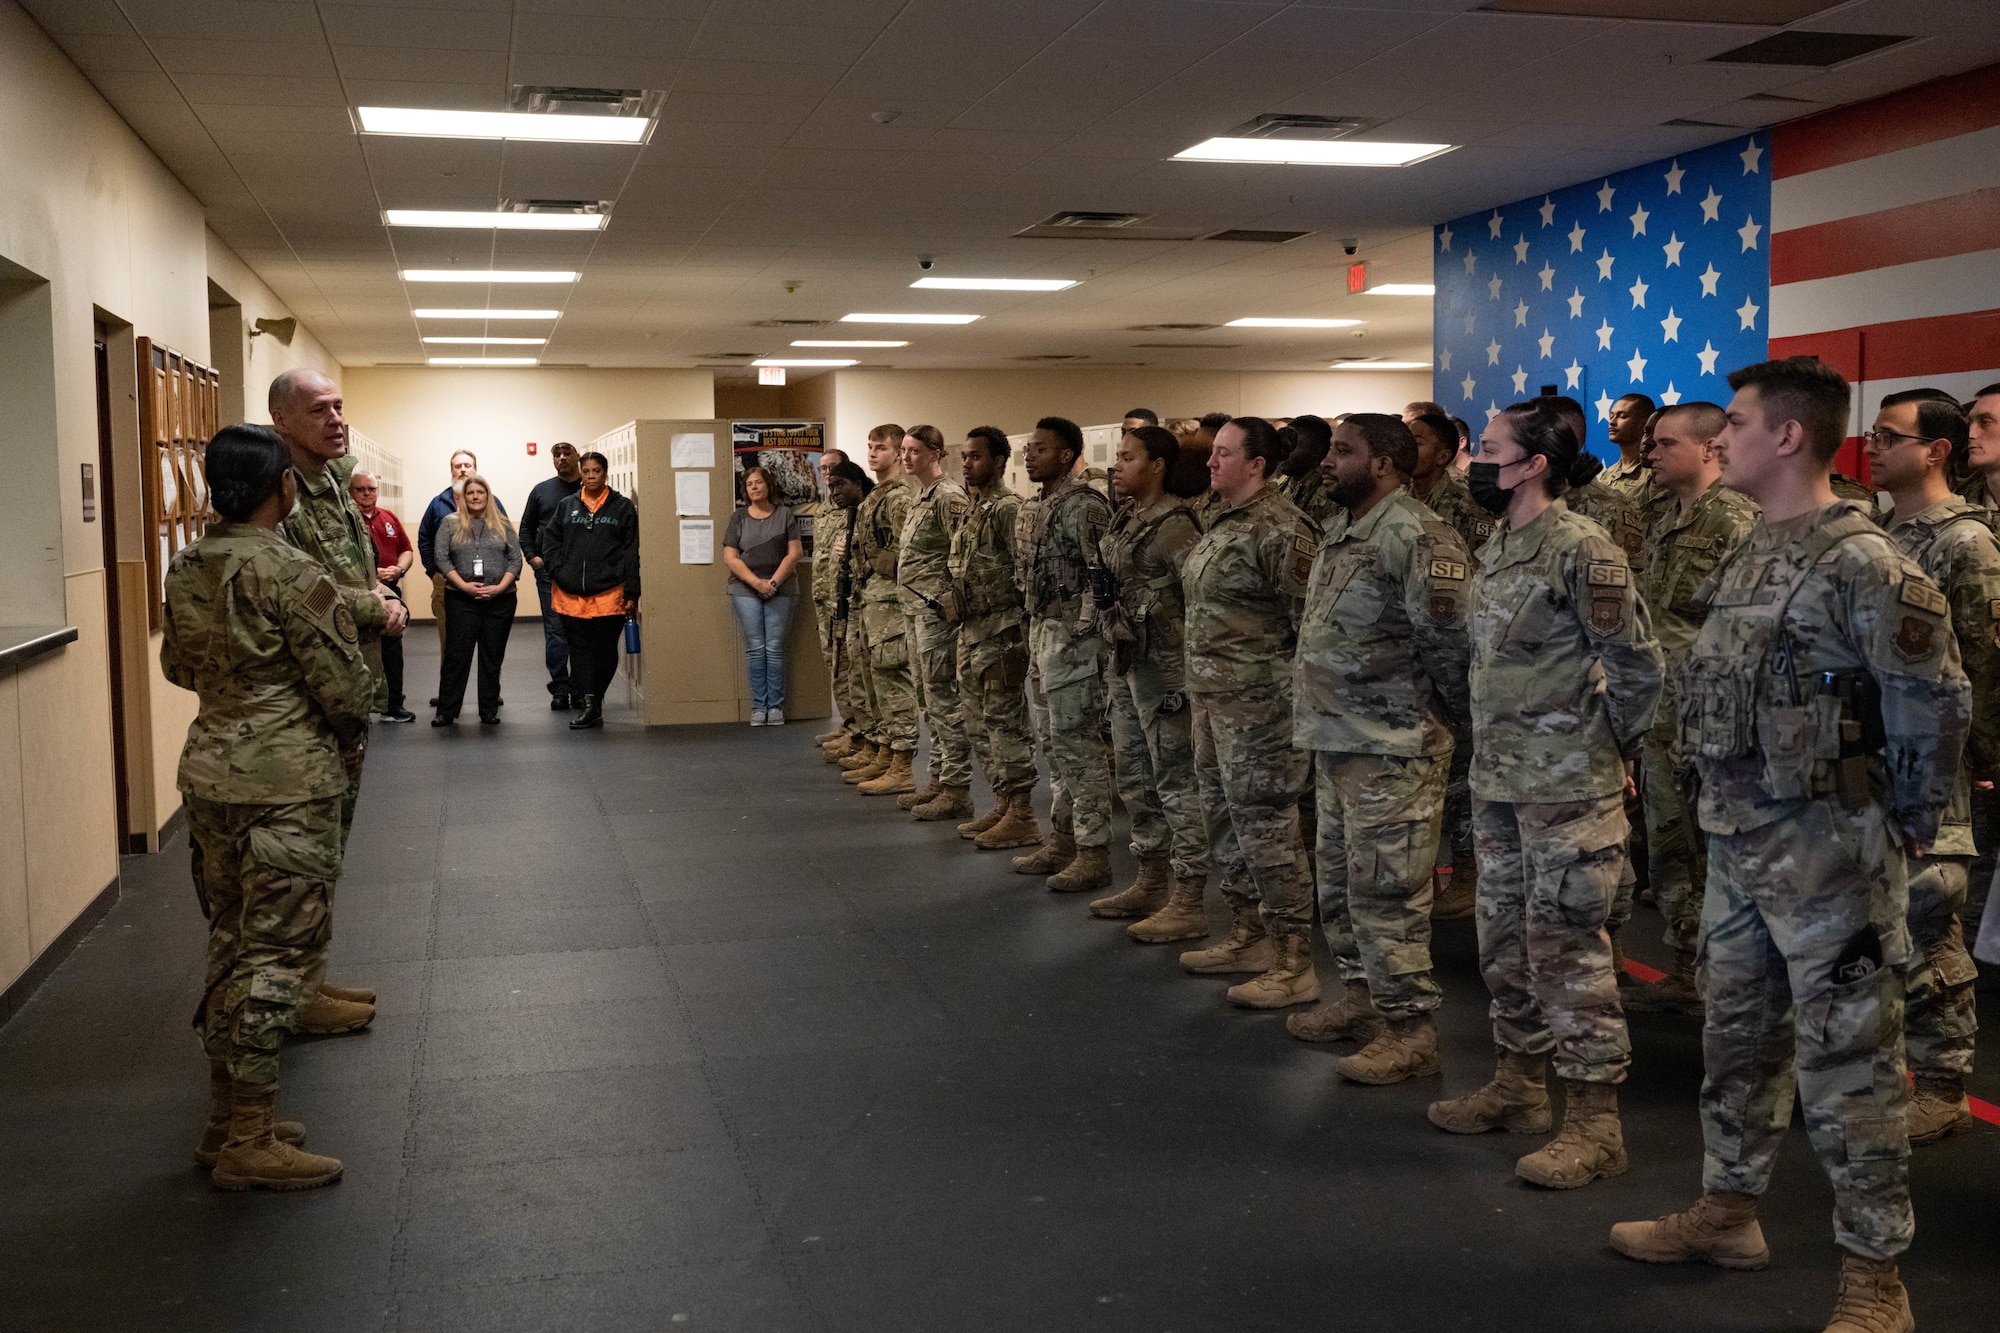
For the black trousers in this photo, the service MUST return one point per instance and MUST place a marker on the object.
(593, 651)
(472, 624)
(392, 669)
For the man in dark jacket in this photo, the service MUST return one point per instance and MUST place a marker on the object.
(541, 507)
(590, 548)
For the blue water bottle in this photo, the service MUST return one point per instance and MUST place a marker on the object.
(632, 636)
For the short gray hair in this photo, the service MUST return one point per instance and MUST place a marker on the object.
(291, 384)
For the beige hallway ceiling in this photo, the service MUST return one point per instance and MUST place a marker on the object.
(770, 167)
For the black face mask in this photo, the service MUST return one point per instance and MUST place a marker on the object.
(1483, 480)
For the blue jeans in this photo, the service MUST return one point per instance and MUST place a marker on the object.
(555, 648)
(764, 624)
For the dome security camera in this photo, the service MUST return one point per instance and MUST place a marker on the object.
(924, 262)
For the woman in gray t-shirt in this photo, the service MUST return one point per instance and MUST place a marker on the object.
(761, 546)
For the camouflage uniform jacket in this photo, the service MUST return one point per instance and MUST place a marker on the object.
(985, 570)
(1619, 517)
(1824, 592)
(1244, 582)
(327, 525)
(838, 540)
(1626, 479)
(1144, 550)
(1451, 500)
(1565, 669)
(1063, 537)
(1308, 491)
(1382, 657)
(1976, 493)
(1847, 488)
(1952, 544)
(825, 560)
(878, 535)
(1680, 552)
(262, 634)
(923, 564)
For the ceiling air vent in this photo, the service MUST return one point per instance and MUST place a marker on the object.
(556, 206)
(560, 100)
(1254, 234)
(788, 324)
(727, 356)
(1081, 225)
(1168, 328)
(1177, 347)
(1055, 356)
(1078, 218)
(1815, 49)
(1281, 126)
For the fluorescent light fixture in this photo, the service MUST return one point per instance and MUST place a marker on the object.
(1313, 152)
(488, 314)
(489, 275)
(494, 220)
(800, 361)
(482, 361)
(502, 125)
(1284, 323)
(907, 319)
(997, 284)
(1403, 289)
(1381, 365)
(507, 342)
(847, 342)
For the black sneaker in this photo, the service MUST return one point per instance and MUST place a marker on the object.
(559, 703)
(434, 702)
(399, 715)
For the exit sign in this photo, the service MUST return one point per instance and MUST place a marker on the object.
(1357, 278)
(770, 374)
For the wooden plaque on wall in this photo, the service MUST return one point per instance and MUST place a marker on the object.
(179, 408)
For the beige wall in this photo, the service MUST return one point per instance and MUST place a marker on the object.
(263, 358)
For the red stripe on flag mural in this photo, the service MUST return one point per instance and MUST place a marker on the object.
(1959, 224)
(1924, 114)
(1904, 348)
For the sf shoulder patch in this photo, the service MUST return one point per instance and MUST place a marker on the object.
(1607, 612)
(1607, 574)
(1454, 570)
(1925, 596)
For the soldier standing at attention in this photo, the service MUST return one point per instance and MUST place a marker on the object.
(1437, 486)
(1565, 676)
(923, 581)
(1062, 635)
(1915, 433)
(327, 525)
(892, 690)
(825, 569)
(1379, 682)
(260, 632)
(846, 487)
(1140, 613)
(1705, 523)
(1244, 581)
(1822, 639)
(993, 646)
(1300, 478)
(1627, 429)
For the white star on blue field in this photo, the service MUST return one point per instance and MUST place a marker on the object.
(1654, 281)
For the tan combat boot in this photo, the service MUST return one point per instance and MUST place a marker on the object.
(841, 747)
(216, 1132)
(1456, 893)
(1089, 869)
(1353, 1017)
(1405, 1048)
(917, 796)
(1589, 1146)
(1288, 981)
(324, 1016)
(1246, 949)
(1720, 1229)
(1516, 1100)
(1872, 1298)
(948, 803)
(1184, 916)
(253, 1157)
(865, 763)
(1675, 993)
(893, 780)
(833, 735)
(1016, 827)
(352, 994)
(1937, 1108)
(1145, 895)
(1057, 850)
(972, 828)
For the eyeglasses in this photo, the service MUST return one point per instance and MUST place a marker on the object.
(1882, 437)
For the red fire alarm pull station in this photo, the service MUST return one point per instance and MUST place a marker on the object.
(1357, 278)
(531, 448)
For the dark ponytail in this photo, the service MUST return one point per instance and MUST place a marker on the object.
(1540, 429)
(245, 466)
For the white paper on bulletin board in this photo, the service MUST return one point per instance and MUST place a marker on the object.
(691, 494)
(697, 541)
(694, 449)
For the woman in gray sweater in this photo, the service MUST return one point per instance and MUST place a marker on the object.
(480, 557)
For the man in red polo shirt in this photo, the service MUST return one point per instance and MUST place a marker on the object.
(393, 557)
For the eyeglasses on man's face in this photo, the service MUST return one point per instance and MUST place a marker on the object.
(1882, 437)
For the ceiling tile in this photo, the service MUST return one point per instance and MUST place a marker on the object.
(416, 64)
(417, 29)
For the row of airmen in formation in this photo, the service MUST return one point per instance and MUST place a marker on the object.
(1719, 635)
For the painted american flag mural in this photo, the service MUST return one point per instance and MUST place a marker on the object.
(1655, 281)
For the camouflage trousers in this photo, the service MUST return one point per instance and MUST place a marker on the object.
(1455, 838)
(850, 679)
(264, 877)
(1547, 876)
(1939, 1018)
(1250, 777)
(993, 701)
(1802, 961)
(1152, 743)
(1675, 866)
(1080, 756)
(833, 648)
(892, 688)
(1379, 817)
(936, 660)
(1038, 722)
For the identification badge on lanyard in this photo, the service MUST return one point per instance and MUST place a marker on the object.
(478, 567)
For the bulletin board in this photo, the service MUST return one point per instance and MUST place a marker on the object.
(179, 410)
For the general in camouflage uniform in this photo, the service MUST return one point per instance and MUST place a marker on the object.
(923, 582)
(883, 638)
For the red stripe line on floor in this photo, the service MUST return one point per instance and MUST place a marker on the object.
(1638, 969)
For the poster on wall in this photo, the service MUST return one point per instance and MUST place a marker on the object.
(788, 450)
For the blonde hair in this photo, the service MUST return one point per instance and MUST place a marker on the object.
(494, 522)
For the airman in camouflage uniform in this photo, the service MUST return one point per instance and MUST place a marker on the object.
(260, 632)
(923, 581)
(1060, 552)
(1379, 680)
(1565, 676)
(1627, 422)
(823, 522)
(1824, 709)
(840, 628)
(890, 682)
(993, 647)
(1244, 582)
